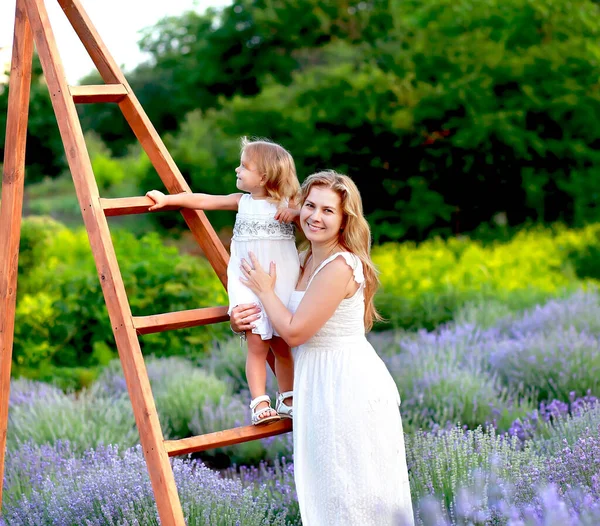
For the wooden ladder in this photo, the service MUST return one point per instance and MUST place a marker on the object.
(32, 24)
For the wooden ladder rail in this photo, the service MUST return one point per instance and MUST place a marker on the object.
(31, 23)
(138, 384)
(146, 134)
(11, 206)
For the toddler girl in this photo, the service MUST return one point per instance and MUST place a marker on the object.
(267, 176)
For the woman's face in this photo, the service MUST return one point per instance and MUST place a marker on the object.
(321, 215)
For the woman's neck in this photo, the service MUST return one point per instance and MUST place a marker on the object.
(321, 252)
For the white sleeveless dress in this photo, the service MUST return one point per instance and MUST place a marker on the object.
(257, 230)
(349, 457)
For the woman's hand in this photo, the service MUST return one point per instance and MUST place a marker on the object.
(159, 199)
(243, 316)
(257, 280)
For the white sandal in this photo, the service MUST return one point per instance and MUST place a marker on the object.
(283, 410)
(256, 420)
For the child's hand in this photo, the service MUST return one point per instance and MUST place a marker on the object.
(159, 199)
(287, 215)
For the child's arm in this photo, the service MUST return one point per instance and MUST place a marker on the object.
(289, 214)
(195, 201)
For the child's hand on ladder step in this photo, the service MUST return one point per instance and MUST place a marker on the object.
(158, 197)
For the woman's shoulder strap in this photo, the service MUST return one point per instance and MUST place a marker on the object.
(353, 262)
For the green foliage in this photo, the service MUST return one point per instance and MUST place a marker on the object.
(200, 60)
(180, 389)
(457, 113)
(426, 284)
(448, 114)
(497, 79)
(109, 172)
(84, 420)
(207, 157)
(61, 318)
(550, 437)
(36, 235)
(442, 464)
(44, 152)
(181, 397)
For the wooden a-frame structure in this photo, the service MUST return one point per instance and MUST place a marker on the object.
(32, 25)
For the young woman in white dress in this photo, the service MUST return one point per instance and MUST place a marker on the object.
(349, 457)
(267, 176)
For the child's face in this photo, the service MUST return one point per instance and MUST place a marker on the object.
(248, 177)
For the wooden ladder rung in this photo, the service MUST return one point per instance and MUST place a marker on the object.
(179, 320)
(226, 438)
(99, 93)
(129, 205)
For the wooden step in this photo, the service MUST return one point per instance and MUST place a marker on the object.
(179, 320)
(129, 205)
(99, 93)
(227, 437)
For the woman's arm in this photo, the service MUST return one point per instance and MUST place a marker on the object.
(330, 286)
(195, 201)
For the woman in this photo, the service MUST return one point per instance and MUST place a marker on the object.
(349, 457)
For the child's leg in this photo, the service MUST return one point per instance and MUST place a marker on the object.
(284, 366)
(256, 369)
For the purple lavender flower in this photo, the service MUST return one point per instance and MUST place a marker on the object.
(51, 485)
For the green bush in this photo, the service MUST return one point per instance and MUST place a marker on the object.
(423, 285)
(440, 464)
(182, 396)
(61, 317)
(85, 420)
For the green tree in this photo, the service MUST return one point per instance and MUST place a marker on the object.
(507, 105)
(198, 61)
(45, 155)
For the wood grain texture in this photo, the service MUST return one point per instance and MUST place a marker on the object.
(11, 206)
(179, 320)
(138, 385)
(101, 93)
(227, 437)
(148, 137)
(121, 206)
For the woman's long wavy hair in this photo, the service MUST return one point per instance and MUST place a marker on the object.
(277, 165)
(355, 235)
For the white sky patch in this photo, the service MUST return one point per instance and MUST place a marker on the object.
(117, 21)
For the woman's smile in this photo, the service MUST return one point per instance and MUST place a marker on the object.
(313, 227)
(321, 213)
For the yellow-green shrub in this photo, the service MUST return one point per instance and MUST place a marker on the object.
(423, 285)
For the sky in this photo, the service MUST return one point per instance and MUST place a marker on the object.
(117, 21)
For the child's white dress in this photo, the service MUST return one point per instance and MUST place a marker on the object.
(257, 230)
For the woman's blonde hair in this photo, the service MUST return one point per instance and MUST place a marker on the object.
(277, 166)
(354, 235)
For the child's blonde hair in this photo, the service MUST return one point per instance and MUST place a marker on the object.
(354, 235)
(277, 165)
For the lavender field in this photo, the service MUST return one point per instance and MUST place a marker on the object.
(500, 412)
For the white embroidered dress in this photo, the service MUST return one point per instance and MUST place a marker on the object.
(349, 457)
(257, 230)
